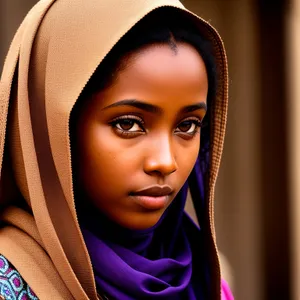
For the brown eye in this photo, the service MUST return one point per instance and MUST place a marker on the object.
(186, 126)
(126, 124)
(129, 124)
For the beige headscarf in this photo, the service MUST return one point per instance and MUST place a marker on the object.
(54, 53)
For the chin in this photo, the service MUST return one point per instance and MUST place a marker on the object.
(142, 221)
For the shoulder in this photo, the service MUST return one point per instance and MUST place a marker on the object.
(12, 285)
(226, 292)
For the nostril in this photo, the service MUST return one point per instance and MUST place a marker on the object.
(160, 169)
(173, 171)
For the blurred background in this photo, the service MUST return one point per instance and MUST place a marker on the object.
(258, 195)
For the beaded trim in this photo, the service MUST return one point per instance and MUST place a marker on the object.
(12, 285)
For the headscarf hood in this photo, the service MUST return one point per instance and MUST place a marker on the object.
(44, 73)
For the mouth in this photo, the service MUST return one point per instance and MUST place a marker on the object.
(154, 197)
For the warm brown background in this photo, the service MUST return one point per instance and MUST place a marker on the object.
(257, 207)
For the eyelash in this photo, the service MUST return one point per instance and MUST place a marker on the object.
(139, 121)
(198, 125)
(127, 133)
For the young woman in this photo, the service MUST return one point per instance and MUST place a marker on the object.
(110, 112)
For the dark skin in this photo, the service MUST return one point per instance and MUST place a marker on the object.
(142, 131)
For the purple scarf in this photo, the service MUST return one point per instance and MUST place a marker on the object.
(157, 263)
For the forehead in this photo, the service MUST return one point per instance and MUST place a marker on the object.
(157, 73)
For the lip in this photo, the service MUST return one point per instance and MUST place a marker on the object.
(153, 197)
(154, 191)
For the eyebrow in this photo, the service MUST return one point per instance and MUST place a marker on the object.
(153, 108)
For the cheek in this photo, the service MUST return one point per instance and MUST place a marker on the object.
(187, 156)
(104, 161)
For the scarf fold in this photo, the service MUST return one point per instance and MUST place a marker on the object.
(124, 274)
(155, 263)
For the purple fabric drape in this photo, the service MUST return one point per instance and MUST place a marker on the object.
(166, 261)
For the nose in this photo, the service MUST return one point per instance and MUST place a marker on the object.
(160, 159)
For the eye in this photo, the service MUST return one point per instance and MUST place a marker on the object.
(128, 125)
(189, 126)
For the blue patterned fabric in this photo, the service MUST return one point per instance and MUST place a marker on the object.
(12, 285)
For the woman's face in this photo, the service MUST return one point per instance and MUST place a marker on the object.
(138, 139)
